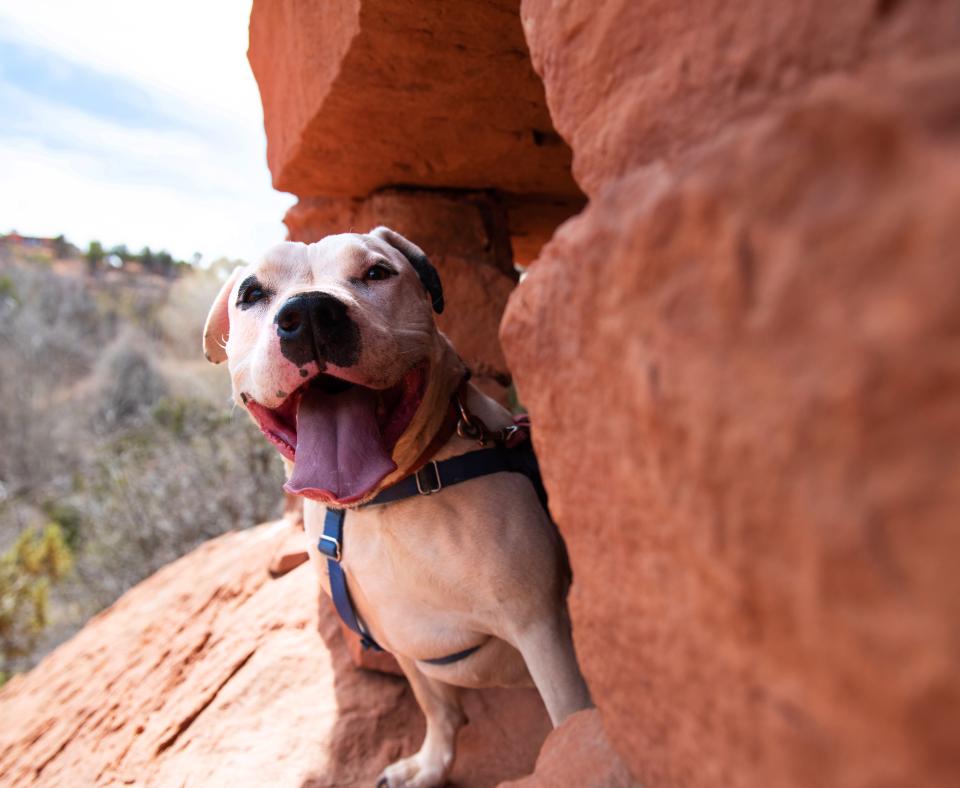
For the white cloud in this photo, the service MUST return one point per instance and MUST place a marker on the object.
(66, 185)
(203, 189)
(192, 49)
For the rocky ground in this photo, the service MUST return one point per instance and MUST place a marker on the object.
(212, 672)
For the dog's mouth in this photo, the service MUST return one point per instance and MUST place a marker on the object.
(340, 435)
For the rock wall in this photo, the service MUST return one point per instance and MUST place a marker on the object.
(742, 365)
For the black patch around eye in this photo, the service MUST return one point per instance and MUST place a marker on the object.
(251, 292)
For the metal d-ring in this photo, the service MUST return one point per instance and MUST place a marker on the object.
(469, 430)
(466, 428)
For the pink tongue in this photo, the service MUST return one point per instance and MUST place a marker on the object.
(339, 455)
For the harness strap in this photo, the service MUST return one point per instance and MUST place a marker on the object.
(450, 659)
(330, 545)
(433, 477)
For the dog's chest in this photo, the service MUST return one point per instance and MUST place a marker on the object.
(442, 562)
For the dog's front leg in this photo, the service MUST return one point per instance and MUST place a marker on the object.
(547, 648)
(431, 765)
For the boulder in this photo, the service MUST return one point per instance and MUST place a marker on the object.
(362, 95)
(629, 82)
(211, 672)
(745, 412)
(577, 753)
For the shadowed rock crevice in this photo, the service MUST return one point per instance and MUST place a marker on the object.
(187, 721)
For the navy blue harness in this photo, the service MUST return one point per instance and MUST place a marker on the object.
(430, 479)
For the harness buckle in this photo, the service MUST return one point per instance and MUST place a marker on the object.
(331, 551)
(507, 433)
(422, 482)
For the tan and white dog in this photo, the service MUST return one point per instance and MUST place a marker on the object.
(333, 350)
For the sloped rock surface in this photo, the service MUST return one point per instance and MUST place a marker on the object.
(212, 673)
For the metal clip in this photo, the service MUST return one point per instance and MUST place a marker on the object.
(421, 488)
(336, 547)
(471, 427)
(507, 433)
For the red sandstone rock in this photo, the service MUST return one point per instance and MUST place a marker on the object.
(742, 357)
(212, 673)
(577, 753)
(291, 550)
(632, 81)
(367, 658)
(362, 95)
(743, 377)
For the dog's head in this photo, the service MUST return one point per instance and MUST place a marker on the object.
(333, 350)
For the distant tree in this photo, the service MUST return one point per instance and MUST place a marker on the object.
(146, 258)
(163, 262)
(95, 255)
(61, 247)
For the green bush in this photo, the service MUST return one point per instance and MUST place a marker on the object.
(27, 569)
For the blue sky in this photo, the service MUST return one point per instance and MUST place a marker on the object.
(134, 123)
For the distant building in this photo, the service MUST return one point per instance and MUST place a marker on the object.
(55, 247)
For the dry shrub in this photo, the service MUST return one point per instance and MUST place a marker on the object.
(134, 463)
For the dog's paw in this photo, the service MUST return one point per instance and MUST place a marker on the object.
(416, 771)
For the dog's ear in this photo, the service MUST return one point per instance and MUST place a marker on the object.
(217, 328)
(427, 273)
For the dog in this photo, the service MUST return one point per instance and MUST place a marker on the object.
(333, 350)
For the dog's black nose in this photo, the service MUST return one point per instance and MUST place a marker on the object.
(317, 327)
(309, 310)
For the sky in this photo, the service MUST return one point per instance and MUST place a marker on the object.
(134, 123)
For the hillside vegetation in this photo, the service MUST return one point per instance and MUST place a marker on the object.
(119, 448)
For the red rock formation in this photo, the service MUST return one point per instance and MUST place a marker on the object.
(633, 81)
(741, 361)
(577, 753)
(362, 97)
(212, 673)
(740, 356)
(745, 408)
(768, 422)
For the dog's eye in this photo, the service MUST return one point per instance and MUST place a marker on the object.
(250, 292)
(376, 272)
